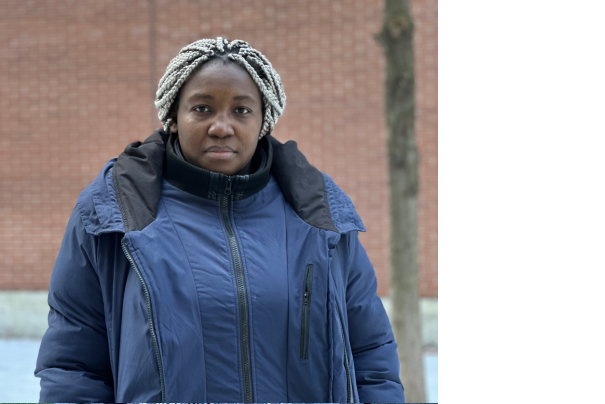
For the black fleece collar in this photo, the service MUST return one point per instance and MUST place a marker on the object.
(138, 173)
(211, 185)
(179, 153)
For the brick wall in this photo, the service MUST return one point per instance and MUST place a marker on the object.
(424, 13)
(77, 82)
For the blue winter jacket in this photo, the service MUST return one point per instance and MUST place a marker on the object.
(177, 284)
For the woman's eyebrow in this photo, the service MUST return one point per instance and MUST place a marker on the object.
(244, 97)
(210, 97)
(201, 95)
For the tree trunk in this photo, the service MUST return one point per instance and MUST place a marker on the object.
(396, 39)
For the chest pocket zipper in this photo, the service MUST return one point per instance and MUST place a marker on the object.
(306, 313)
(346, 359)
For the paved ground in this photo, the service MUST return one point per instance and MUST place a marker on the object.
(18, 384)
(430, 376)
(17, 381)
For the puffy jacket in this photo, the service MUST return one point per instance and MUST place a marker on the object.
(177, 284)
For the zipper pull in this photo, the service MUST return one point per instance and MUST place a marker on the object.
(228, 188)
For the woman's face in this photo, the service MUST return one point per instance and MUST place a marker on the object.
(219, 117)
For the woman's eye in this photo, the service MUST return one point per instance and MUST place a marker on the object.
(201, 109)
(242, 110)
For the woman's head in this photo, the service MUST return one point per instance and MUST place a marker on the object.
(220, 98)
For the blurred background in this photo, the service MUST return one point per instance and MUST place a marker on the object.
(77, 84)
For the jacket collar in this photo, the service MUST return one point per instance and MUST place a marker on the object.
(138, 173)
(211, 185)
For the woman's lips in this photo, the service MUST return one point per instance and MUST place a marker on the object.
(219, 152)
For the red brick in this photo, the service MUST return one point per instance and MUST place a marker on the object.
(76, 88)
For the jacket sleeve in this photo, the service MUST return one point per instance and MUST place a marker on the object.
(73, 362)
(370, 334)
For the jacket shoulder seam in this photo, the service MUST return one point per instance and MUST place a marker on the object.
(343, 211)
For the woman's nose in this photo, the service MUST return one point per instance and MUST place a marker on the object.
(221, 127)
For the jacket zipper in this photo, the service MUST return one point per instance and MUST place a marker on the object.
(242, 295)
(346, 364)
(149, 317)
(306, 312)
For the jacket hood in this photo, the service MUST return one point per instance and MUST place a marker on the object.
(125, 195)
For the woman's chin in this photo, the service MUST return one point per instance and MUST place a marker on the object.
(226, 166)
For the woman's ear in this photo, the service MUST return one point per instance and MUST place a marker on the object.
(174, 127)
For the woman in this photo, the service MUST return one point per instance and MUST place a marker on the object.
(212, 263)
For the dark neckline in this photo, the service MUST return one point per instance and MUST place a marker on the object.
(212, 185)
(138, 174)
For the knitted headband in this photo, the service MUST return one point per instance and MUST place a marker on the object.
(255, 63)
